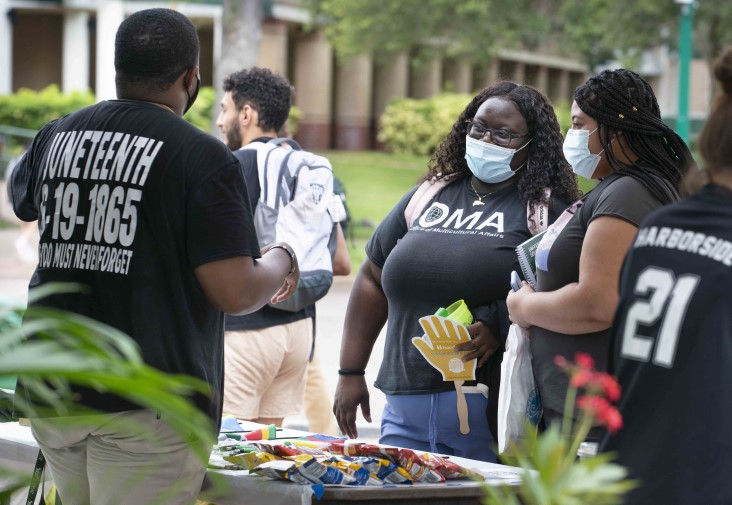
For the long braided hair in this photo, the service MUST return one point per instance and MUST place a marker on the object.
(546, 166)
(621, 101)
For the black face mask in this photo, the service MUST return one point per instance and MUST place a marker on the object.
(192, 99)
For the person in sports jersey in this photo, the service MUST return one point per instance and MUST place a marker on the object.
(617, 137)
(150, 215)
(501, 154)
(672, 335)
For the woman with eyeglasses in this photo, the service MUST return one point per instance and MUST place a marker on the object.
(618, 138)
(502, 154)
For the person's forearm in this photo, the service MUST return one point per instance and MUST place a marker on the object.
(571, 309)
(365, 317)
(241, 285)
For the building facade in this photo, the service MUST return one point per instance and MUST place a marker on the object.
(71, 43)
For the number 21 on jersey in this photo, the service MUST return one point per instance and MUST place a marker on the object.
(669, 299)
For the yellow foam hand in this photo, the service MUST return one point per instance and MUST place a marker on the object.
(437, 346)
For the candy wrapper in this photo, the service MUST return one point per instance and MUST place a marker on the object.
(384, 469)
(287, 449)
(449, 469)
(309, 472)
(407, 459)
(251, 460)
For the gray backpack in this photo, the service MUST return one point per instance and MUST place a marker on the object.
(297, 205)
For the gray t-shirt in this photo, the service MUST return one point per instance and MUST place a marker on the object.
(557, 261)
(454, 251)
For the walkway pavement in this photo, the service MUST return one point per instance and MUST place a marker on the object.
(15, 274)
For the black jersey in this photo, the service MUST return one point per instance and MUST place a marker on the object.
(130, 200)
(672, 353)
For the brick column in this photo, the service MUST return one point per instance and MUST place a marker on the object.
(426, 79)
(273, 49)
(353, 104)
(459, 75)
(519, 73)
(313, 81)
(542, 80)
(391, 80)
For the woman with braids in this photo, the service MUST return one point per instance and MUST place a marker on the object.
(501, 155)
(679, 358)
(618, 137)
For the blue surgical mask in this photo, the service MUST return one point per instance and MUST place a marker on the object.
(488, 162)
(577, 151)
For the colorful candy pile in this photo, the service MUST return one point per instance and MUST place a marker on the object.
(340, 462)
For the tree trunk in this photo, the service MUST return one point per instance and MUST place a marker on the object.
(242, 34)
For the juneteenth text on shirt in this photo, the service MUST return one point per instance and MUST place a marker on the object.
(112, 216)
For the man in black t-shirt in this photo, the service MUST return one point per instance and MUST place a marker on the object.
(152, 215)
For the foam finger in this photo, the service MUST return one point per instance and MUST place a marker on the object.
(426, 324)
(450, 325)
(463, 333)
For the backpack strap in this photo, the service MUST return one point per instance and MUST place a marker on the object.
(425, 193)
(285, 140)
(538, 221)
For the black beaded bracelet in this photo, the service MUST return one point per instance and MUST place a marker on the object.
(351, 371)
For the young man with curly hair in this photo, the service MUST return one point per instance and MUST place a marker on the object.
(267, 351)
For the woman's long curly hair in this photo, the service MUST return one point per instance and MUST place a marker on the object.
(546, 166)
(621, 101)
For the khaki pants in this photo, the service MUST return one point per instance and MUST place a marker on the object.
(115, 459)
(319, 401)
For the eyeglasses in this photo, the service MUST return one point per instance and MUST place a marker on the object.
(499, 137)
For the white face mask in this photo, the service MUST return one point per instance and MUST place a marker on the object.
(577, 151)
(488, 162)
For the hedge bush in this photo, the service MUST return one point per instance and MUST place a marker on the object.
(410, 126)
(33, 109)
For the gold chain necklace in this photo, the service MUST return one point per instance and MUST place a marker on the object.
(479, 197)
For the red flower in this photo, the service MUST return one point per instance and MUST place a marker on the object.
(580, 378)
(609, 385)
(561, 362)
(601, 411)
(611, 418)
(584, 360)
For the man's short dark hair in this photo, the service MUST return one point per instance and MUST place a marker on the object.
(269, 93)
(154, 47)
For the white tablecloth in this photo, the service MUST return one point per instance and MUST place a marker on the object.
(18, 450)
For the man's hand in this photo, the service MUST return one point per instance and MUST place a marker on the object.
(290, 284)
(437, 346)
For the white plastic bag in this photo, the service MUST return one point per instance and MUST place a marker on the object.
(518, 399)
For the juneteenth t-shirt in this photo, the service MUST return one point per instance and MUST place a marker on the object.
(130, 200)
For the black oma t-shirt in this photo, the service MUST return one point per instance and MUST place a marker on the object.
(130, 199)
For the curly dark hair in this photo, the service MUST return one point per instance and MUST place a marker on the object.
(621, 101)
(546, 166)
(153, 47)
(269, 93)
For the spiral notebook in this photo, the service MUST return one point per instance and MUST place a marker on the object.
(526, 252)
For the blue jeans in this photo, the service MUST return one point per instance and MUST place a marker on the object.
(429, 422)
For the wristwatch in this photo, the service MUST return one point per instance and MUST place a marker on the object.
(288, 250)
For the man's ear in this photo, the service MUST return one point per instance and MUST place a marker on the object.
(190, 81)
(248, 115)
